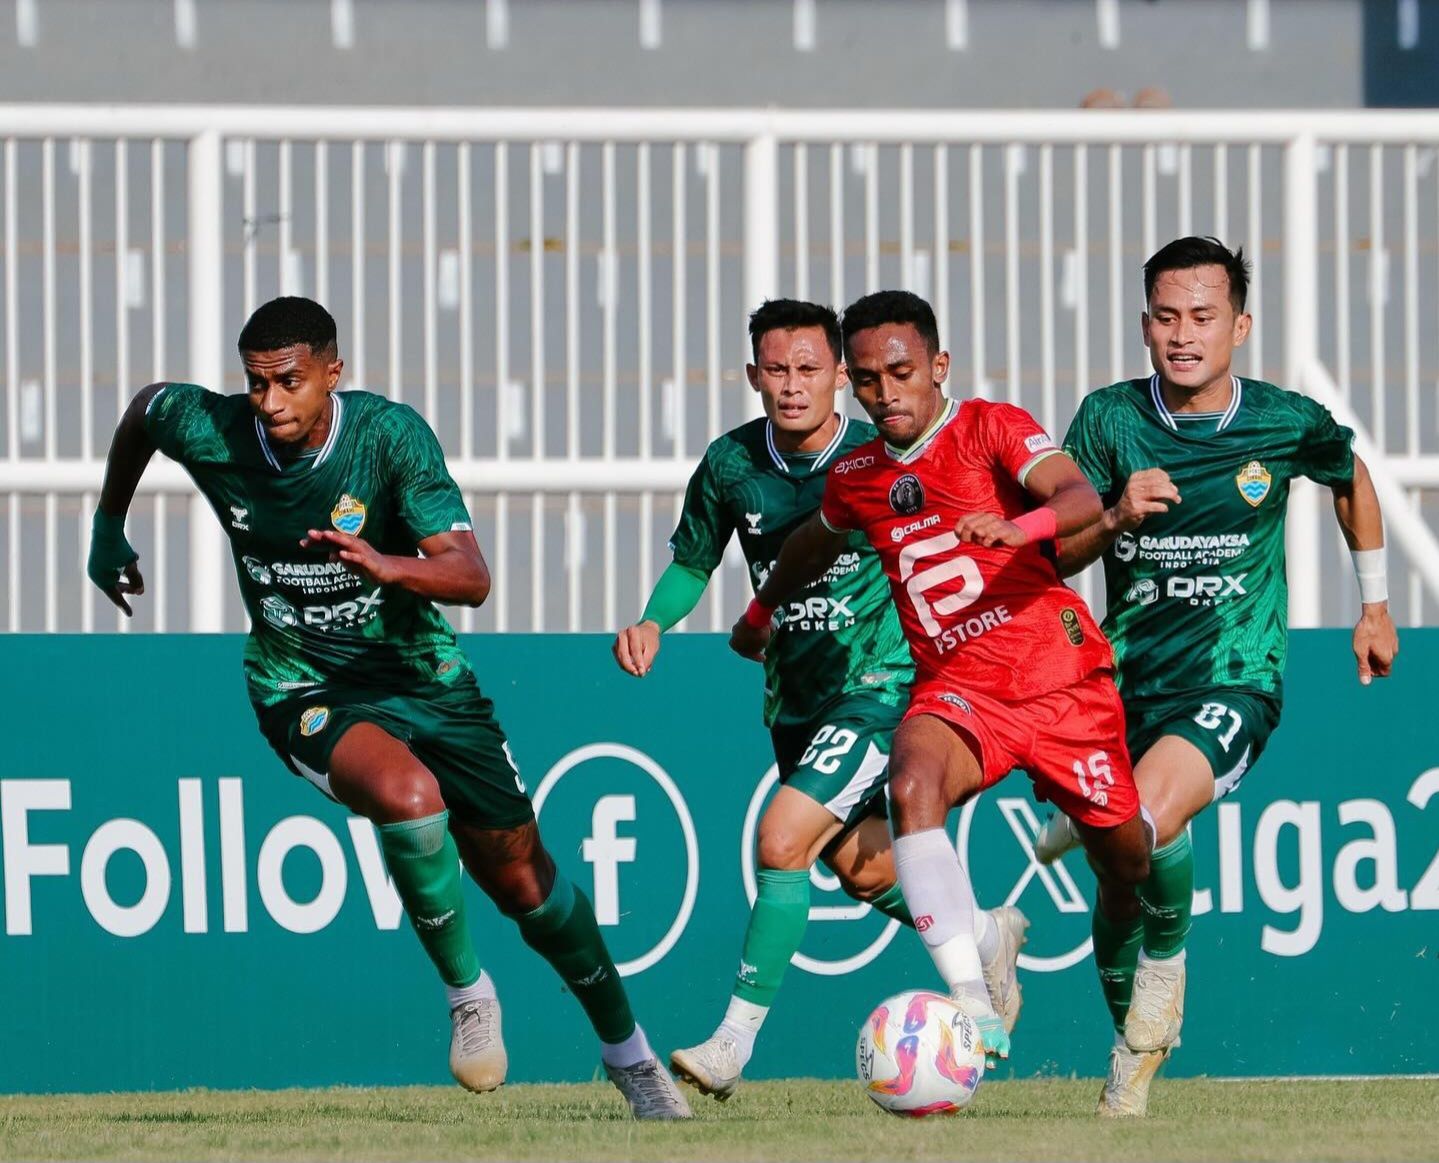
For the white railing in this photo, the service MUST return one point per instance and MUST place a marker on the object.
(563, 293)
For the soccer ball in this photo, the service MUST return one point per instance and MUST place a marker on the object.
(919, 1054)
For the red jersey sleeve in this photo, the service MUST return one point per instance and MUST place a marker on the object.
(834, 508)
(1015, 439)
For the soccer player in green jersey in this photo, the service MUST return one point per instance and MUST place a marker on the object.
(837, 675)
(1194, 466)
(346, 528)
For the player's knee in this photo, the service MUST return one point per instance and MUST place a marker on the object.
(916, 793)
(1128, 866)
(410, 794)
(784, 849)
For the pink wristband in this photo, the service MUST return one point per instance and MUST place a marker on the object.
(1039, 524)
(756, 614)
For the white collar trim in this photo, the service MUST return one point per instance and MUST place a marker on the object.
(829, 449)
(1225, 419)
(325, 449)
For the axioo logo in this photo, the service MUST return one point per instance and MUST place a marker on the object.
(627, 819)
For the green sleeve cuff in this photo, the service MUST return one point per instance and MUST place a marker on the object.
(676, 593)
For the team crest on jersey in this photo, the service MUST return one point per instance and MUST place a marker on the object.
(1253, 481)
(348, 515)
(906, 495)
(314, 720)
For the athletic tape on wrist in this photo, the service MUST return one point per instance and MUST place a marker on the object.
(1370, 569)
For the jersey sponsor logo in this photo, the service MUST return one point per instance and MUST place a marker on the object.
(906, 495)
(956, 701)
(1143, 592)
(962, 632)
(258, 570)
(1253, 481)
(754, 520)
(348, 515)
(1207, 590)
(1073, 629)
(314, 720)
(1038, 442)
(900, 532)
(817, 613)
(853, 464)
(240, 518)
(1182, 550)
(924, 922)
(279, 613)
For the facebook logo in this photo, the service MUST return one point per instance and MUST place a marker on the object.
(604, 849)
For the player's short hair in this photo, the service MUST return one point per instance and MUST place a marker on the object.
(891, 307)
(790, 315)
(288, 322)
(1185, 254)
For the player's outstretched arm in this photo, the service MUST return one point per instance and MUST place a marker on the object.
(112, 564)
(451, 568)
(677, 592)
(1148, 491)
(1356, 506)
(1067, 504)
(805, 555)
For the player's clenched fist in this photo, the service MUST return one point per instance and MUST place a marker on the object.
(990, 529)
(1375, 643)
(1148, 491)
(749, 640)
(636, 646)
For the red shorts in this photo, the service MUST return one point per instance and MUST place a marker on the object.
(1070, 742)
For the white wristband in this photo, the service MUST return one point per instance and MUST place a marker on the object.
(1373, 577)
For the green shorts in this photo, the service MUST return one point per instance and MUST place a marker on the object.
(840, 758)
(1231, 728)
(451, 729)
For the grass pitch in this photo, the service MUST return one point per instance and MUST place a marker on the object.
(804, 1119)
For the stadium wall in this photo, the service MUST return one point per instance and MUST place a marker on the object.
(180, 911)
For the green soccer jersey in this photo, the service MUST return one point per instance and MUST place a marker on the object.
(1197, 596)
(379, 475)
(841, 635)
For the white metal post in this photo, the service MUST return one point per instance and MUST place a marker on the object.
(1301, 349)
(207, 364)
(761, 227)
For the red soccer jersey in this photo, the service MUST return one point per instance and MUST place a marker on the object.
(993, 620)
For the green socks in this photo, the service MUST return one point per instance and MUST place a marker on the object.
(776, 927)
(563, 931)
(1168, 898)
(1116, 955)
(891, 904)
(425, 866)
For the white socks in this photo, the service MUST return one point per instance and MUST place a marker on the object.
(937, 891)
(631, 1052)
(986, 933)
(742, 1021)
(481, 989)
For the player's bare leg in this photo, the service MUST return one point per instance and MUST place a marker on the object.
(556, 921)
(376, 775)
(932, 768)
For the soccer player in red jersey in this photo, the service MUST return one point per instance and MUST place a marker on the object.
(963, 502)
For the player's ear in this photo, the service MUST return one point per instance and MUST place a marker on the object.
(1242, 323)
(333, 371)
(940, 367)
(1144, 327)
(752, 373)
(841, 378)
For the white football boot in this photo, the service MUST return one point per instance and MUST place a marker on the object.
(1058, 836)
(1001, 972)
(477, 1051)
(1126, 1090)
(713, 1066)
(1156, 1008)
(650, 1091)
